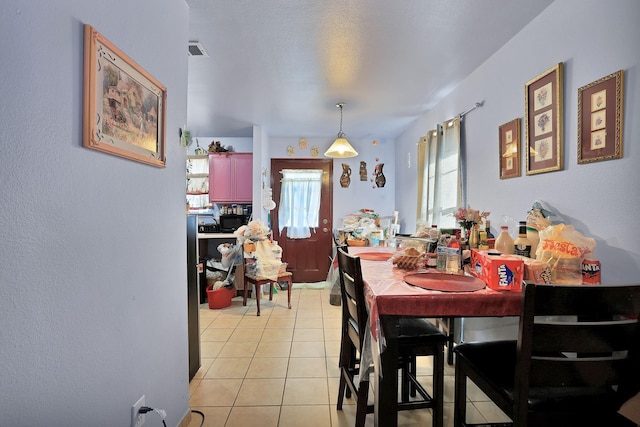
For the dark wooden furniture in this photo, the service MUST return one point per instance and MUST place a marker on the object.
(259, 281)
(417, 337)
(389, 298)
(575, 361)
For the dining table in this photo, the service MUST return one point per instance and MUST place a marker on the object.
(433, 294)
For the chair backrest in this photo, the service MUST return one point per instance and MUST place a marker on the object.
(578, 336)
(354, 310)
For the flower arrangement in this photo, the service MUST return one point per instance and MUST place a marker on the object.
(468, 217)
(255, 230)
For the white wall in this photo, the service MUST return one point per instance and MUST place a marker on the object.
(601, 200)
(359, 194)
(92, 246)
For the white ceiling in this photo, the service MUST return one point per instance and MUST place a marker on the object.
(284, 64)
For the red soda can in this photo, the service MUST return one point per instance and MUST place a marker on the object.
(590, 272)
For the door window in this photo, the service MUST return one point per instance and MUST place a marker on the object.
(299, 208)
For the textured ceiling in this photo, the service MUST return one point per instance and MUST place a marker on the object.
(284, 64)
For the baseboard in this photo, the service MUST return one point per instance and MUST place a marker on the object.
(186, 419)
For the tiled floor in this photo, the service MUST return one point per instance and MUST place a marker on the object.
(281, 369)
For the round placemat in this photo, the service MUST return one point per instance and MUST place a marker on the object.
(445, 282)
(375, 256)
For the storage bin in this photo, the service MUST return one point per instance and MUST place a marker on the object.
(220, 298)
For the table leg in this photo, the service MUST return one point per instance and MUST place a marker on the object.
(386, 376)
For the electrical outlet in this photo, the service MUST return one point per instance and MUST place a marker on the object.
(137, 419)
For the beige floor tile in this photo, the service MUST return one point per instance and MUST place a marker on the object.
(213, 416)
(225, 322)
(281, 322)
(261, 392)
(306, 391)
(305, 334)
(211, 349)
(282, 311)
(277, 334)
(221, 392)
(268, 367)
(250, 321)
(307, 349)
(205, 364)
(216, 334)
(309, 323)
(251, 416)
(491, 412)
(248, 334)
(332, 348)
(224, 367)
(273, 349)
(332, 334)
(238, 349)
(347, 417)
(307, 416)
(307, 367)
(332, 322)
(333, 370)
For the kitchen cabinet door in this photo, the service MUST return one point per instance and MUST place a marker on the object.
(230, 177)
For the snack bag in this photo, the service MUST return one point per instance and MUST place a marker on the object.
(564, 248)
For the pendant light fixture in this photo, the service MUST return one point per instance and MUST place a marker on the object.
(341, 148)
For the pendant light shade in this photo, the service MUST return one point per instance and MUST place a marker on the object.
(341, 149)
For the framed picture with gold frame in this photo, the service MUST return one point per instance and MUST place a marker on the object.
(543, 105)
(124, 106)
(600, 119)
(509, 149)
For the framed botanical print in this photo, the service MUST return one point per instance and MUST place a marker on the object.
(600, 119)
(543, 121)
(509, 149)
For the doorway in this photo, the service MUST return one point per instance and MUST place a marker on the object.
(309, 258)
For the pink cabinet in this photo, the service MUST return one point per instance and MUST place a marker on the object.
(230, 177)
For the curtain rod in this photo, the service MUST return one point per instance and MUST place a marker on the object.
(477, 105)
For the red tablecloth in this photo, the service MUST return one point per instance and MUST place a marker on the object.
(388, 294)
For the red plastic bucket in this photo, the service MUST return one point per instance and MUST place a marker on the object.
(220, 298)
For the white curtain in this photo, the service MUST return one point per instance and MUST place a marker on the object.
(440, 184)
(299, 202)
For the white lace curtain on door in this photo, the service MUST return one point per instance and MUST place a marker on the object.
(299, 209)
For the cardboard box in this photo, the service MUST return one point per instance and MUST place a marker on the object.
(499, 271)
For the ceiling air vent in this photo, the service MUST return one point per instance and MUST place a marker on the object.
(196, 49)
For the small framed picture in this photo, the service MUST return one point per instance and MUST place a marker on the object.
(509, 149)
(124, 106)
(543, 121)
(600, 119)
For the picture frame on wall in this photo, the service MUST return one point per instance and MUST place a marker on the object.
(600, 119)
(124, 106)
(509, 149)
(543, 121)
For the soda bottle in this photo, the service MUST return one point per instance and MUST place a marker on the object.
(453, 255)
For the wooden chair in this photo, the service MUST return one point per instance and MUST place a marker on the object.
(258, 282)
(575, 361)
(417, 337)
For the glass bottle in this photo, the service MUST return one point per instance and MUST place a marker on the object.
(483, 245)
(453, 255)
(474, 237)
(504, 242)
(491, 239)
(522, 245)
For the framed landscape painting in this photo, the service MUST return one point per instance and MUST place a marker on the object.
(124, 106)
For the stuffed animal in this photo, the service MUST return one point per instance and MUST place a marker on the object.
(216, 147)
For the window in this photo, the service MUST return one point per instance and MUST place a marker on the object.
(439, 177)
(299, 201)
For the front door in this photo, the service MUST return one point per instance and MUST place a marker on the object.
(308, 259)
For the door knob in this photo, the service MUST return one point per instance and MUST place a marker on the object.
(325, 221)
(325, 230)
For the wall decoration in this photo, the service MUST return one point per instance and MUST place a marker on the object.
(543, 121)
(303, 143)
(345, 178)
(363, 171)
(315, 150)
(600, 119)
(124, 106)
(509, 149)
(291, 150)
(380, 179)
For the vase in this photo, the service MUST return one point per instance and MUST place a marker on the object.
(345, 178)
(474, 237)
